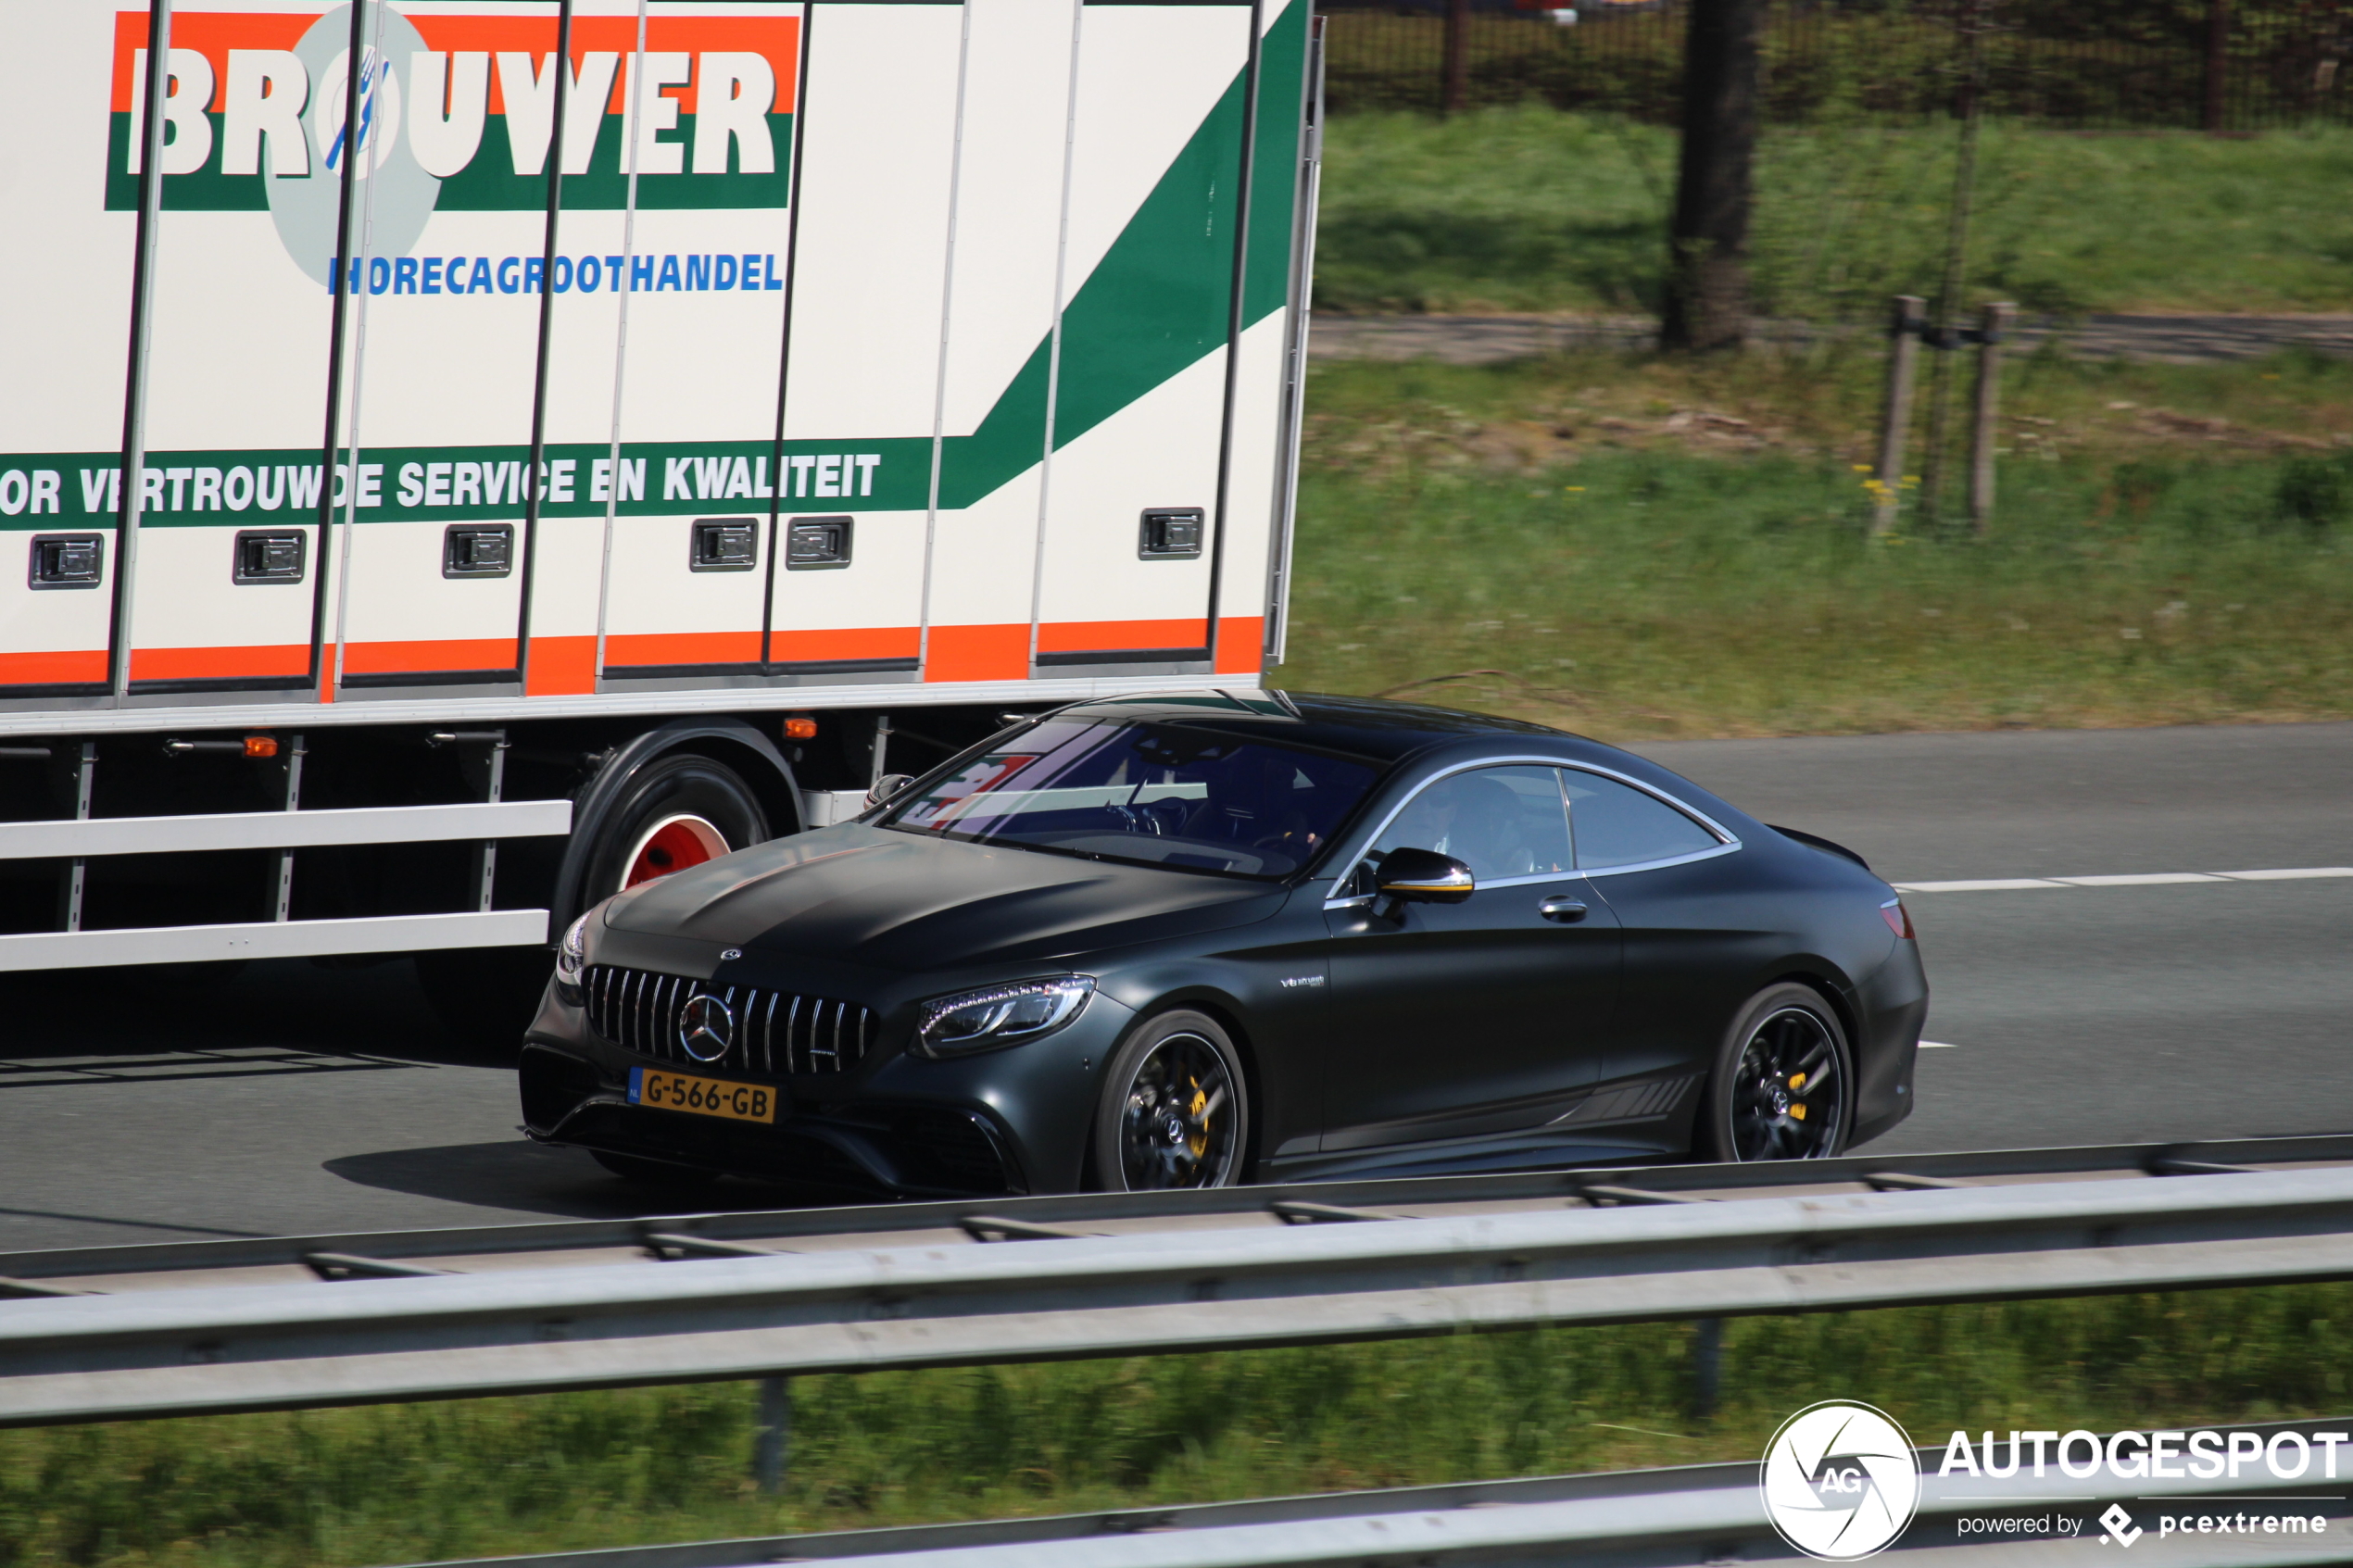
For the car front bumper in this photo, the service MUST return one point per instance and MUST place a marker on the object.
(1015, 1120)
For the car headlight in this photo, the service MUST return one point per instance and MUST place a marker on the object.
(572, 951)
(1003, 1015)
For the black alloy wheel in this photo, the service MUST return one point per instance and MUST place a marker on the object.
(1175, 1110)
(1784, 1085)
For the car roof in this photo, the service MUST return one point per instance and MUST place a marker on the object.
(1385, 733)
(1360, 726)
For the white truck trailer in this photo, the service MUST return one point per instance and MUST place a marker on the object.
(633, 429)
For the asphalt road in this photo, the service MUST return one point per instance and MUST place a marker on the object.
(301, 1099)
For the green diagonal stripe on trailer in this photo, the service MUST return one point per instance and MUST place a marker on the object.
(1158, 301)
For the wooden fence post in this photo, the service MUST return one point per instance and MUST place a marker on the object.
(2218, 63)
(1992, 325)
(1903, 353)
(1454, 88)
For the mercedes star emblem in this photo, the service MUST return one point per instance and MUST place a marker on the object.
(705, 1027)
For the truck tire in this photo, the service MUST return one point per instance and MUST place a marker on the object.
(676, 811)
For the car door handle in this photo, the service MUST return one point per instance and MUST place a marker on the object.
(1568, 911)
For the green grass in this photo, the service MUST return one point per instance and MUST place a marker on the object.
(1530, 210)
(405, 1483)
(1630, 546)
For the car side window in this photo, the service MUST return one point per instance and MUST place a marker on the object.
(1615, 824)
(1500, 822)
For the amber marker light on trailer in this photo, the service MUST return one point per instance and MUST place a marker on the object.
(800, 728)
(262, 745)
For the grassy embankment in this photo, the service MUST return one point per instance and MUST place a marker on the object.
(1644, 547)
(409, 1484)
(1641, 547)
(1531, 210)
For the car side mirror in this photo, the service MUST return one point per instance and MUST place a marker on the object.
(886, 786)
(1425, 876)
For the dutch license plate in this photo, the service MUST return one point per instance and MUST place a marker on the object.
(704, 1096)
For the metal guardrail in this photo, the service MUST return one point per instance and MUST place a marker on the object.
(1625, 1519)
(258, 1258)
(216, 1348)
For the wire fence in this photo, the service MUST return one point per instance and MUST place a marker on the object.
(2081, 64)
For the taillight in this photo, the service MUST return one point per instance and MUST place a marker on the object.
(1898, 918)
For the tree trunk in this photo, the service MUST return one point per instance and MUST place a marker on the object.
(1707, 305)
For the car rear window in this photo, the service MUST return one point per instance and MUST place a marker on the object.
(1159, 794)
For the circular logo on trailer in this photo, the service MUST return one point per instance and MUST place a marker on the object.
(705, 1027)
(1839, 1481)
(392, 193)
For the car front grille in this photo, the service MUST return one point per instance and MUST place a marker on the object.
(775, 1031)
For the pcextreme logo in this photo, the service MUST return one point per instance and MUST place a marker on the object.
(1840, 1482)
(457, 113)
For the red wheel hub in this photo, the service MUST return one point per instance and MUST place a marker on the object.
(672, 845)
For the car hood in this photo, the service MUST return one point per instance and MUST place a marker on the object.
(908, 901)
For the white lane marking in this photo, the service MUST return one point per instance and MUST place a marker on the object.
(2293, 874)
(2138, 879)
(2141, 879)
(1937, 1046)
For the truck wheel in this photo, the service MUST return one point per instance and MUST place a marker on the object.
(679, 811)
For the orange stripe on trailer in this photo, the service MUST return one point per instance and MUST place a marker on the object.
(561, 667)
(1118, 636)
(862, 642)
(681, 647)
(776, 37)
(978, 653)
(67, 667)
(448, 653)
(214, 34)
(219, 664)
(1240, 649)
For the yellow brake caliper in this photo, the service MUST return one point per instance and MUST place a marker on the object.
(1198, 1140)
(1797, 1082)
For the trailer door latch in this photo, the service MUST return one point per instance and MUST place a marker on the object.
(478, 549)
(272, 555)
(817, 543)
(726, 544)
(1172, 533)
(67, 560)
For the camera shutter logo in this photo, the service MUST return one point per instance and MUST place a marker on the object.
(1839, 1481)
(705, 1027)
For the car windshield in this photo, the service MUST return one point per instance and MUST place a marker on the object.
(1159, 795)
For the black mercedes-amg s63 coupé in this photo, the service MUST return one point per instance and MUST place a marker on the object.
(1194, 940)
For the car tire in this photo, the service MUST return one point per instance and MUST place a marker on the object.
(1175, 1109)
(678, 812)
(1769, 1096)
(658, 1179)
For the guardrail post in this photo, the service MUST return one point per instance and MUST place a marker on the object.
(775, 1432)
(1708, 1365)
